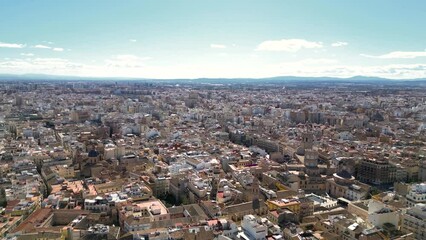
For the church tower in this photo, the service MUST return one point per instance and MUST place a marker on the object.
(255, 188)
(307, 140)
(215, 187)
(255, 194)
(311, 162)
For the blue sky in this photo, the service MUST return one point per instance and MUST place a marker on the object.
(220, 38)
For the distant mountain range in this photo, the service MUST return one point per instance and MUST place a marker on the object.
(41, 77)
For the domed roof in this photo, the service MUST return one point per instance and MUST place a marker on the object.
(93, 153)
(109, 145)
(300, 151)
(344, 174)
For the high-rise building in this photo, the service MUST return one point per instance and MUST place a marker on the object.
(18, 101)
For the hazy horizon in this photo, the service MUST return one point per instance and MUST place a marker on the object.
(213, 39)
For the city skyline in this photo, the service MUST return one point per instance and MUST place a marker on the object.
(196, 39)
(212, 119)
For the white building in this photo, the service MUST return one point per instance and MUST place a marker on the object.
(178, 167)
(254, 228)
(199, 186)
(323, 202)
(110, 151)
(417, 194)
(379, 214)
(121, 149)
(344, 136)
(414, 221)
(99, 204)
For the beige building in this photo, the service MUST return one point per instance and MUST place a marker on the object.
(414, 221)
(343, 184)
(238, 211)
(141, 215)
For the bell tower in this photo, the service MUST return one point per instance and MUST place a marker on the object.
(311, 162)
(255, 188)
(307, 140)
(255, 194)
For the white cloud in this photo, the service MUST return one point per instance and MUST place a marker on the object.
(134, 66)
(56, 49)
(41, 65)
(220, 46)
(42, 46)
(339, 44)
(126, 61)
(311, 61)
(397, 54)
(287, 45)
(391, 71)
(11, 45)
(27, 54)
(132, 40)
